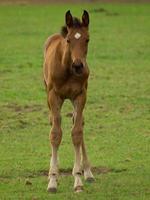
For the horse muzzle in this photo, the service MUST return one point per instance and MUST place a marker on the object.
(77, 68)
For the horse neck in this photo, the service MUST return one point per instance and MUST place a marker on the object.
(66, 56)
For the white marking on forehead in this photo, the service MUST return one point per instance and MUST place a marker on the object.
(77, 35)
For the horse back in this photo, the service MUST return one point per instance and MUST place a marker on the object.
(50, 48)
(51, 41)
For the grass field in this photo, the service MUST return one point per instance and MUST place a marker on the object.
(117, 113)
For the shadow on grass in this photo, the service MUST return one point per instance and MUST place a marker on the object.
(68, 172)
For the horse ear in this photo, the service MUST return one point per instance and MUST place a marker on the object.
(69, 19)
(85, 18)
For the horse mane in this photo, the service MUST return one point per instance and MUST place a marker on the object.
(76, 24)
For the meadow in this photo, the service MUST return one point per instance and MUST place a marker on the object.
(117, 113)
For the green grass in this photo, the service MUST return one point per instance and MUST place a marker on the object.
(117, 113)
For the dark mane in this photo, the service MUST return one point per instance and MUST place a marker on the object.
(76, 24)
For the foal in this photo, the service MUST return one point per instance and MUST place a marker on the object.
(65, 76)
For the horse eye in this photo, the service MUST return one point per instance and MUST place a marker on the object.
(87, 40)
(68, 41)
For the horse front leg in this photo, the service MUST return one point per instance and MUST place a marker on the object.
(55, 104)
(86, 165)
(77, 138)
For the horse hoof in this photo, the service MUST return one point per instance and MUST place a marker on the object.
(52, 190)
(90, 180)
(78, 189)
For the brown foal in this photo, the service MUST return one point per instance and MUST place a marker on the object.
(65, 75)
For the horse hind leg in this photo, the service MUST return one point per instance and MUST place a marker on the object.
(86, 168)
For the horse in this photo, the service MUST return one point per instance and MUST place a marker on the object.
(66, 77)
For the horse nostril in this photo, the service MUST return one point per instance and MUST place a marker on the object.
(77, 67)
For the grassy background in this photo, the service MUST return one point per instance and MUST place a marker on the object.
(117, 113)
